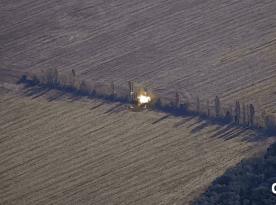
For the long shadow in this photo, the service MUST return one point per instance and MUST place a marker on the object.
(37, 90)
(248, 183)
(55, 97)
(227, 133)
(222, 131)
(161, 119)
(111, 110)
(184, 121)
(200, 127)
(198, 121)
(75, 98)
(232, 134)
(97, 106)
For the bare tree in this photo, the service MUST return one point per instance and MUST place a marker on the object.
(237, 112)
(83, 87)
(131, 91)
(113, 90)
(52, 77)
(243, 114)
(248, 115)
(208, 108)
(217, 106)
(73, 79)
(177, 100)
(230, 115)
(73, 73)
(197, 105)
(252, 114)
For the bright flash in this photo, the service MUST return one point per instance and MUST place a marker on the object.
(143, 99)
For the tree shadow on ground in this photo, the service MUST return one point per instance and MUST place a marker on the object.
(201, 126)
(35, 92)
(225, 129)
(114, 109)
(229, 132)
(161, 119)
(97, 106)
(183, 121)
(56, 96)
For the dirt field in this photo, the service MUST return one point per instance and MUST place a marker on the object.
(59, 150)
(204, 48)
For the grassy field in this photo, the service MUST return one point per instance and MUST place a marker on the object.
(59, 150)
(204, 48)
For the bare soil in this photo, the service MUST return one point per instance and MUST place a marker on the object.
(204, 48)
(59, 150)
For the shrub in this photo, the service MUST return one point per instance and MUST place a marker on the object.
(52, 77)
(23, 79)
(35, 79)
(270, 122)
(248, 183)
(83, 89)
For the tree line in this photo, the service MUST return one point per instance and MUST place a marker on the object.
(240, 113)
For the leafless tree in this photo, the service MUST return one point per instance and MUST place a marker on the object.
(252, 114)
(177, 100)
(52, 77)
(237, 112)
(208, 108)
(243, 114)
(197, 105)
(217, 106)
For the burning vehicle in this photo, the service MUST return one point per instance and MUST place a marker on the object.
(140, 99)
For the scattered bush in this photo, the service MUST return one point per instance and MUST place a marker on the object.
(248, 183)
(35, 80)
(52, 78)
(84, 88)
(23, 79)
(270, 122)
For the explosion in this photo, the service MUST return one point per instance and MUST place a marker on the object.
(143, 99)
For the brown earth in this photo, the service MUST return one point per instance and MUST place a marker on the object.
(56, 149)
(59, 150)
(204, 48)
